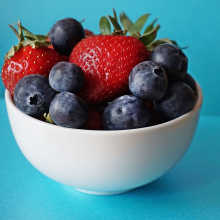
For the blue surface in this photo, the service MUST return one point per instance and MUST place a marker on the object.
(191, 190)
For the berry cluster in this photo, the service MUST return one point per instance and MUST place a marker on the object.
(110, 81)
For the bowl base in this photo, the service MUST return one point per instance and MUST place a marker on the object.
(102, 193)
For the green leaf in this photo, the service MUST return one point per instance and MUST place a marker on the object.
(150, 27)
(42, 43)
(30, 38)
(158, 42)
(114, 23)
(41, 37)
(163, 41)
(104, 26)
(136, 34)
(120, 32)
(16, 32)
(28, 33)
(157, 27)
(125, 22)
(148, 38)
(29, 42)
(12, 51)
(36, 43)
(115, 15)
(139, 24)
(174, 42)
(48, 118)
(20, 31)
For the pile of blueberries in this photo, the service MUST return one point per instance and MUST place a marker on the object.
(163, 80)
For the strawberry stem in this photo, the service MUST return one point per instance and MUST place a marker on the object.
(134, 29)
(25, 38)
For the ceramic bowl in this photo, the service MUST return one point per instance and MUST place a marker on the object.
(103, 162)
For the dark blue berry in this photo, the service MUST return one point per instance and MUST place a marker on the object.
(33, 94)
(65, 34)
(189, 80)
(178, 100)
(172, 59)
(126, 112)
(148, 81)
(65, 76)
(68, 110)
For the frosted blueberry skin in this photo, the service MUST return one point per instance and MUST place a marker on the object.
(178, 100)
(65, 76)
(68, 110)
(172, 59)
(65, 34)
(33, 94)
(126, 112)
(148, 81)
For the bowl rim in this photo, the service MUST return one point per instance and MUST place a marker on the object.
(10, 103)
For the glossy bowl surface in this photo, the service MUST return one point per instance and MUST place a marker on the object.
(103, 162)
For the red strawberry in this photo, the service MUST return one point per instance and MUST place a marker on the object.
(50, 46)
(95, 119)
(41, 118)
(154, 120)
(88, 33)
(31, 56)
(107, 61)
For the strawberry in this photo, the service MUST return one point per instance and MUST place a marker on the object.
(95, 119)
(30, 56)
(42, 118)
(88, 33)
(107, 62)
(50, 46)
(108, 59)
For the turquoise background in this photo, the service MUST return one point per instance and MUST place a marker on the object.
(191, 190)
(191, 23)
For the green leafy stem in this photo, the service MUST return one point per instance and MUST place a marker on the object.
(25, 38)
(148, 36)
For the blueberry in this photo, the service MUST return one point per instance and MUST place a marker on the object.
(33, 94)
(189, 80)
(68, 110)
(65, 34)
(126, 112)
(172, 59)
(178, 100)
(65, 76)
(148, 81)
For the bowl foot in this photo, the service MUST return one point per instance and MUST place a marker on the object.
(103, 193)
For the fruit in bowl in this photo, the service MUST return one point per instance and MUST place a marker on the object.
(115, 112)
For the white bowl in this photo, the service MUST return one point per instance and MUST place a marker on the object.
(103, 162)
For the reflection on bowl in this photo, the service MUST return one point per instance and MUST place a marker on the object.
(103, 162)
